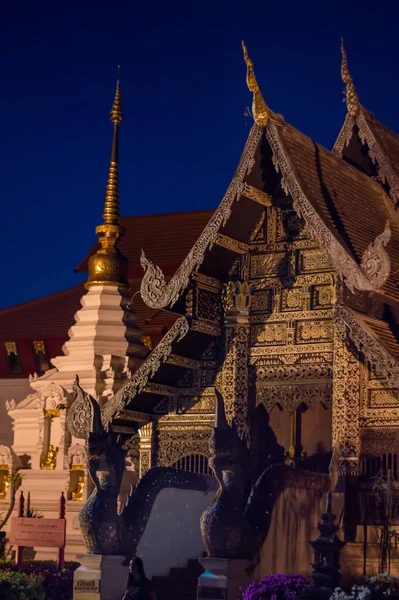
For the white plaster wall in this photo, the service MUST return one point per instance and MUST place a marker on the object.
(172, 535)
(16, 389)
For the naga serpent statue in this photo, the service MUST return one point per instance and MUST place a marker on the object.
(237, 523)
(105, 530)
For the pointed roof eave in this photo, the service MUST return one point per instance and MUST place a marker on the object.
(368, 342)
(146, 370)
(387, 173)
(359, 116)
(356, 277)
(155, 291)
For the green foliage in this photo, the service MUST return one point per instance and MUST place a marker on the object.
(19, 586)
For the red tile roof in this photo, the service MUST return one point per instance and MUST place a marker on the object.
(44, 318)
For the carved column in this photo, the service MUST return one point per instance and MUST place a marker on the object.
(345, 422)
(234, 374)
(145, 462)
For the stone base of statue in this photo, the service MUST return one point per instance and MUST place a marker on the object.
(99, 577)
(223, 579)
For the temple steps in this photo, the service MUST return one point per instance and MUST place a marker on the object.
(180, 584)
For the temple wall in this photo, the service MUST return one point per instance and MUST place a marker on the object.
(172, 535)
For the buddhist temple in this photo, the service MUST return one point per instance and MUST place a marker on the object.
(284, 302)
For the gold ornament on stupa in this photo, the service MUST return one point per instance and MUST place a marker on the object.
(351, 97)
(108, 266)
(260, 111)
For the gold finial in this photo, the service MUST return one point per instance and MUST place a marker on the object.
(260, 111)
(108, 266)
(351, 97)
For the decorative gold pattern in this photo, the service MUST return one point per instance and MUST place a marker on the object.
(183, 361)
(290, 397)
(309, 331)
(155, 291)
(108, 266)
(182, 441)
(260, 112)
(368, 345)
(234, 377)
(145, 446)
(346, 402)
(251, 192)
(269, 334)
(230, 244)
(352, 99)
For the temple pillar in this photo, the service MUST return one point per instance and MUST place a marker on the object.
(234, 373)
(145, 461)
(346, 424)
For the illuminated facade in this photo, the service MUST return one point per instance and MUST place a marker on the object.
(287, 302)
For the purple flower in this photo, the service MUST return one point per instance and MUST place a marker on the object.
(276, 587)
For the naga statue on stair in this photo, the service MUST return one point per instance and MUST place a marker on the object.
(237, 523)
(105, 530)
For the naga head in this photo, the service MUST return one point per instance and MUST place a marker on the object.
(228, 451)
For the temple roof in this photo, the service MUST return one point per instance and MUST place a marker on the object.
(380, 143)
(354, 207)
(51, 316)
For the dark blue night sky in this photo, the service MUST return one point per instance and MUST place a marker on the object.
(184, 98)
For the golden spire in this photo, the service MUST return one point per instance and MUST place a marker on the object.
(351, 97)
(108, 266)
(260, 111)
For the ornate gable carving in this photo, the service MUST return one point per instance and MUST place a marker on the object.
(375, 265)
(155, 291)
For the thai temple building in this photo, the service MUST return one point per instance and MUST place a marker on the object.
(284, 299)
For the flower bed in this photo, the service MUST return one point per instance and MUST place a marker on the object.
(276, 587)
(39, 578)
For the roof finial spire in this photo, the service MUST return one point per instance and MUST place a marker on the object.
(351, 97)
(108, 266)
(260, 111)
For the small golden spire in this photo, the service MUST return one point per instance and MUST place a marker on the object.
(260, 111)
(108, 266)
(351, 97)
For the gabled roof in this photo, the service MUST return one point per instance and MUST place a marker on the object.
(346, 212)
(335, 196)
(51, 317)
(375, 338)
(44, 318)
(382, 146)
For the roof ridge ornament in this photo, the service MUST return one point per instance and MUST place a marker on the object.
(351, 97)
(260, 111)
(108, 266)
